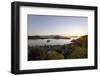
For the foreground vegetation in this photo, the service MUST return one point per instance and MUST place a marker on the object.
(76, 49)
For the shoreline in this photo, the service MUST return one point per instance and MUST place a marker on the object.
(76, 49)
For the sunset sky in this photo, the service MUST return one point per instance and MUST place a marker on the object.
(57, 25)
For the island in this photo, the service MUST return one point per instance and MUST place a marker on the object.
(48, 37)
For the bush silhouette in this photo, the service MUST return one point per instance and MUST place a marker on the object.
(37, 53)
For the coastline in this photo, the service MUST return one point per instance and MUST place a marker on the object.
(66, 51)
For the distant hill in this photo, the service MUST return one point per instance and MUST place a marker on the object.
(48, 37)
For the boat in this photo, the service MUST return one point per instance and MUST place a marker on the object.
(48, 40)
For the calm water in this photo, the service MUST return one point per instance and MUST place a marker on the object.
(40, 42)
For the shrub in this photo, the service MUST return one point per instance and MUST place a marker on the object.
(57, 49)
(55, 55)
(37, 53)
(79, 52)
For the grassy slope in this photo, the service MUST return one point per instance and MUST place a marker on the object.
(80, 51)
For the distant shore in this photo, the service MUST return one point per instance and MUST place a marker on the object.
(48, 37)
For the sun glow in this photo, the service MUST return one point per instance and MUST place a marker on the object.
(77, 31)
(69, 33)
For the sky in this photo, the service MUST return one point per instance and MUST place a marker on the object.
(57, 25)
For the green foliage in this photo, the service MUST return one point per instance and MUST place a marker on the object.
(80, 51)
(55, 55)
(57, 49)
(37, 53)
(85, 37)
